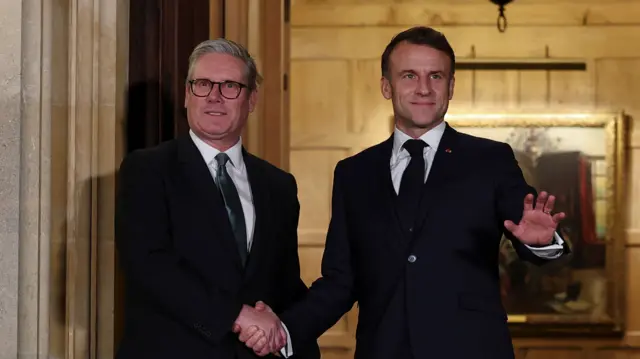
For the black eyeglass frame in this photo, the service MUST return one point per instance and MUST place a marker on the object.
(214, 83)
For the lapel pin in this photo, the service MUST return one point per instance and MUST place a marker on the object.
(448, 150)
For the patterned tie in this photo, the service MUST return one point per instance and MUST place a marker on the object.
(233, 205)
(412, 183)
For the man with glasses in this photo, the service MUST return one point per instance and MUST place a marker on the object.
(205, 229)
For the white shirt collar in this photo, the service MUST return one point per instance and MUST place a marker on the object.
(431, 138)
(209, 153)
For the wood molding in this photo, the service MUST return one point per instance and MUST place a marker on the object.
(275, 66)
(260, 26)
(216, 19)
(472, 41)
(442, 13)
(633, 237)
(236, 18)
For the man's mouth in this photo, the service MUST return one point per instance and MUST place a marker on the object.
(215, 113)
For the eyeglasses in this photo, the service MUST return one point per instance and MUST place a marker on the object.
(228, 89)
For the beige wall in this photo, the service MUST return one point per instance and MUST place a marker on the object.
(337, 109)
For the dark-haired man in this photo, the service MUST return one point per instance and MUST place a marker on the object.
(416, 225)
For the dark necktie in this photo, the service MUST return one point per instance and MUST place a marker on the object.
(233, 205)
(412, 183)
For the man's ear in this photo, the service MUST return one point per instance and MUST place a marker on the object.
(253, 100)
(186, 94)
(452, 84)
(385, 87)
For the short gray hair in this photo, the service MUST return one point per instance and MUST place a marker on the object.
(224, 46)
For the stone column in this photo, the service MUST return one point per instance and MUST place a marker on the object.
(10, 69)
(35, 174)
(63, 76)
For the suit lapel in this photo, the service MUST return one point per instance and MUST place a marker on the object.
(261, 200)
(444, 166)
(207, 200)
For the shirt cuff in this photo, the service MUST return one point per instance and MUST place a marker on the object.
(287, 351)
(552, 251)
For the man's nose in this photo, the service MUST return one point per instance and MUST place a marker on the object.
(424, 87)
(214, 95)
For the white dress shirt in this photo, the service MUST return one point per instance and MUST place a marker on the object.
(238, 173)
(400, 159)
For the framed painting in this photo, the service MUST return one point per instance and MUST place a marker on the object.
(580, 158)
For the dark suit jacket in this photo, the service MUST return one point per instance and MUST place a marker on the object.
(185, 284)
(431, 291)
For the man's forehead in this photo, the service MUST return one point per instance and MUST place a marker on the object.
(211, 65)
(419, 58)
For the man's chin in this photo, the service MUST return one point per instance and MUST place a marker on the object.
(426, 124)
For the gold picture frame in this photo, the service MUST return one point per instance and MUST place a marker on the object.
(582, 157)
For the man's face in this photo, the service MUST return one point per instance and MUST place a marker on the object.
(214, 118)
(420, 85)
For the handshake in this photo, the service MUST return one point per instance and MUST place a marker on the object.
(260, 329)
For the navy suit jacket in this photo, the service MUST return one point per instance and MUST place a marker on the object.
(432, 291)
(185, 284)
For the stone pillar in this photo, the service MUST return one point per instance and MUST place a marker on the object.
(35, 174)
(10, 69)
(63, 80)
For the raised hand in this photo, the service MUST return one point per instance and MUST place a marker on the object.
(537, 226)
(260, 329)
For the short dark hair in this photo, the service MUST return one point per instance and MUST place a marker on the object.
(419, 35)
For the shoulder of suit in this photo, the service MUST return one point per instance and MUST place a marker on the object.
(366, 155)
(480, 143)
(268, 168)
(159, 155)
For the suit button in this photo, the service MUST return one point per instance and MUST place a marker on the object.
(411, 229)
(412, 258)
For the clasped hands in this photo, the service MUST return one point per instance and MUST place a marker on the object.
(260, 329)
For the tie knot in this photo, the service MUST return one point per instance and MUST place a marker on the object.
(415, 147)
(221, 159)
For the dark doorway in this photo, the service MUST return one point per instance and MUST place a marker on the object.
(162, 34)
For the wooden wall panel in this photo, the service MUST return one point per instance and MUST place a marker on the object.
(314, 173)
(313, 168)
(464, 90)
(370, 110)
(323, 87)
(572, 89)
(516, 42)
(496, 89)
(533, 89)
(618, 86)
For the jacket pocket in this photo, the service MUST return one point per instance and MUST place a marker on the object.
(482, 303)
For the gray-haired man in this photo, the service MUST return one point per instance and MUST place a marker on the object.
(205, 229)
